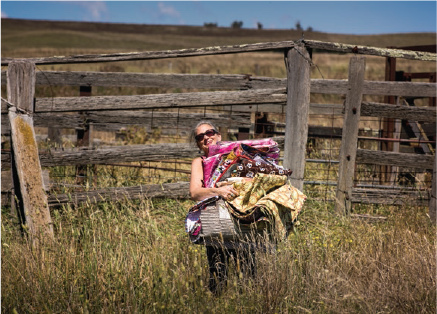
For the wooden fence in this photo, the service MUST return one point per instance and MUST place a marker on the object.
(247, 93)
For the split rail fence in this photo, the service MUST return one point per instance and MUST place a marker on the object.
(236, 97)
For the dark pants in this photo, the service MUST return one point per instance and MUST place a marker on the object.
(218, 262)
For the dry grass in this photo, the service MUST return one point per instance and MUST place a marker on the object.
(134, 257)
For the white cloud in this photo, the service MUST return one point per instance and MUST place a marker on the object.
(4, 15)
(168, 11)
(95, 10)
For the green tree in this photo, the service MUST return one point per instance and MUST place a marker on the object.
(237, 24)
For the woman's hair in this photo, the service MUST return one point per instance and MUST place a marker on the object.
(193, 132)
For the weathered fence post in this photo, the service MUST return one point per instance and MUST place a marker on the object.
(349, 139)
(26, 167)
(83, 137)
(297, 61)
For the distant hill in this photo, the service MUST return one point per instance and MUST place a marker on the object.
(25, 38)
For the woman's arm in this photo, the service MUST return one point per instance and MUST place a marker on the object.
(198, 192)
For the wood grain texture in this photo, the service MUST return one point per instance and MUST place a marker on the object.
(373, 51)
(164, 54)
(424, 114)
(389, 197)
(281, 45)
(414, 161)
(223, 81)
(167, 190)
(349, 140)
(155, 101)
(26, 169)
(31, 184)
(297, 112)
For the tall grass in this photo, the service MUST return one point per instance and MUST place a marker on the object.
(135, 257)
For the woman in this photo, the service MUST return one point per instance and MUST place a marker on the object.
(205, 135)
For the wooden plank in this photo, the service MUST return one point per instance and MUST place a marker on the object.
(148, 55)
(160, 80)
(128, 153)
(115, 120)
(379, 88)
(396, 197)
(223, 81)
(349, 141)
(424, 114)
(26, 168)
(167, 190)
(164, 54)
(374, 51)
(33, 200)
(406, 89)
(173, 100)
(111, 154)
(414, 161)
(298, 102)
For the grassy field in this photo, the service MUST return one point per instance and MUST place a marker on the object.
(134, 256)
(21, 38)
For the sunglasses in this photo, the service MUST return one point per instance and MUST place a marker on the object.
(208, 133)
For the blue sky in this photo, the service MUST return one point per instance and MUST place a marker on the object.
(343, 17)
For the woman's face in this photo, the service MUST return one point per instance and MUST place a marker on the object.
(206, 138)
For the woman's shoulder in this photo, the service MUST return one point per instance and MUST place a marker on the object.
(198, 160)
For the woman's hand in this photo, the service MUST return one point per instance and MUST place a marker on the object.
(228, 192)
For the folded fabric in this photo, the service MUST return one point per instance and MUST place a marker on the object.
(267, 147)
(267, 197)
(224, 147)
(248, 168)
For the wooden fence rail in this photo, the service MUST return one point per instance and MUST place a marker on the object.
(223, 81)
(269, 46)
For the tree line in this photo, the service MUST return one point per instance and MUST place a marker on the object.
(239, 25)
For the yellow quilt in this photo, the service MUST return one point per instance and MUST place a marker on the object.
(272, 197)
